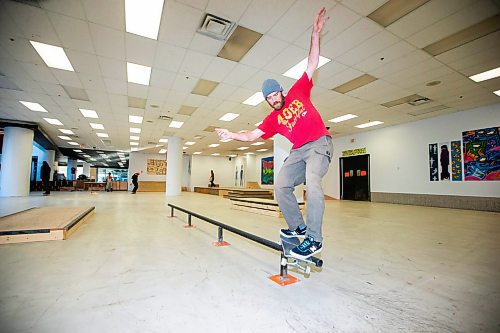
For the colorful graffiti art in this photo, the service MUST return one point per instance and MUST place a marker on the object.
(456, 161)
(481, 154)
(267, 173)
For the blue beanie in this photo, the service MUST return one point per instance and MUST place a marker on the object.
(269, 86)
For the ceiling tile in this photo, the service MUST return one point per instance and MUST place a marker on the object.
(73, 33)
(179, 23)
(263, 52)
(266, 11)
(108, 42)
(109, 13)
(140, 50)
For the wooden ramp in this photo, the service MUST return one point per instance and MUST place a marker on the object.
(260, 206)
(42, 224)
(250, 193)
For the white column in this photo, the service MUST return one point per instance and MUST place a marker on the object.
(71, 164)
(281, 151)
(174, 166)
(50, 157)
(16, 162)
(86, 169)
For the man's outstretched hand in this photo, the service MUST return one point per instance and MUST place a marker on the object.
(320, 20)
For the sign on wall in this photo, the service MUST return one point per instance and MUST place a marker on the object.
(157, 167)
(267, 171)
(352, 152)
(482, 154)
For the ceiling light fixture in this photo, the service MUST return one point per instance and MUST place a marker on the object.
(176, 124)
(255, 99)
(135, 119)
(138, 73)
(89, 113)
(370, 124)
(33, 106)
(53, 56)
(486, 75)
(53, 121)
(296, 71)
(229, 116)
(343, 118)
(135, 130)
(97, 126)
(143, 17)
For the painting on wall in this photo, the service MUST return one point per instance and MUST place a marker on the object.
(444, 161)
(157, 167)
(433, 162)
(456, 161)
(267, 171)
(481, 154)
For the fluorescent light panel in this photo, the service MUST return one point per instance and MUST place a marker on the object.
(176, 124)
(53, 56)
(33, 106)
(197, 153)
(133, 143)
(492, 73)
(163, 140)
(370, 124)
(64, 137)
(190, 143)
(135, 119)
(97, 126)
(259, 143)
(343, 118)
(213, 145)
(255, 99)
(296, 71)
(102, 135)
(134, 137)
(135, 130)
(73, 143)
(66, 131)
(162, 151)
(53, 121)
(89, 113)
(143, 17)
(138, 73)
(261, 150)
(229, 116)
(215, 154)
(242, 148)
(497, 92)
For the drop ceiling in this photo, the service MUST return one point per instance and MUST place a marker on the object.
(192, 82)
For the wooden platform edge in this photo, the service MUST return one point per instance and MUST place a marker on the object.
(77, 221)
(21, 211)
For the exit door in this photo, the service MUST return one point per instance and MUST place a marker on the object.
(355, 178)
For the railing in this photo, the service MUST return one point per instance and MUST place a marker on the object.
(270, 244)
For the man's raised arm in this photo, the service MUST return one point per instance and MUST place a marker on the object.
(313, 59)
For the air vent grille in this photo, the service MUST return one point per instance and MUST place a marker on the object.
(216, 27)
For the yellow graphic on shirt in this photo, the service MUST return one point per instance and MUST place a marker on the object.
(289, 116)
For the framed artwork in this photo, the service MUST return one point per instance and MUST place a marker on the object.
(267, 171)
(481, 154)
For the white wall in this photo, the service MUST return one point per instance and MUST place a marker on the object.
(399, 155)
(223, 170)
(138, 163)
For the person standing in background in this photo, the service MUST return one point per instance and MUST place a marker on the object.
(212, 178)
(45, 177)
(109, 180)
(135, 182)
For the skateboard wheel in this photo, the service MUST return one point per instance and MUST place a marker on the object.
(319, 263)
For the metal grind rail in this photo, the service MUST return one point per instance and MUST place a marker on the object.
(283, 278)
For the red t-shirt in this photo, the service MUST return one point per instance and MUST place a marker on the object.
(298, 120)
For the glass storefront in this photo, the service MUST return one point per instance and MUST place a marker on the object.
(117, 174)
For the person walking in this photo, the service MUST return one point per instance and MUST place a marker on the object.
(109, 185)
(212, 179)
(45, 177)
(295, 117)
(135, 182)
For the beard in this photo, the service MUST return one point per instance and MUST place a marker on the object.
(278, 105)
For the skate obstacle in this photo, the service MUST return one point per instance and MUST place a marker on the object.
(283, 278)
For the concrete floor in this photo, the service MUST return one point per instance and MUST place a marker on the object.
(131, 268)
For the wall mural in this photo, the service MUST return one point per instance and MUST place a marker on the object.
(456, 161)
(481, 154)
(267, 171)
(157, 167)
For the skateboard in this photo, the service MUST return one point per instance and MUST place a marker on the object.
(302, 264)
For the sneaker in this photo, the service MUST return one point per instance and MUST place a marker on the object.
(307, 249)
(298, 233)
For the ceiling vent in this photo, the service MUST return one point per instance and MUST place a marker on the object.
(216, 27)
(165, 117)
(419, 101)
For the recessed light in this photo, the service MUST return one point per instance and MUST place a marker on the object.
(261, 150)
(197, 153)
(229, 116)
(486, 75)
(258, 143)
(135, 130)
(77, 150)
(343, 118)
(143, 17)
(134, 137)
(135, 119)
(67, 131)
(64, 137)
(89, 113)
(215, 154)
(102, 135)
(371, 123)
(163, 140)
(255, 99)
(33, 106)
(133, 143)
(138, 73)
(213, 145)
(73, 143)
(176, 124)
(296, 71)
(97, 126)
(53, 56)
(242, 148)
(190, 143)
(53, 121)
(162, 151)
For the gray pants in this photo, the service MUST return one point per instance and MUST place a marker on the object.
(308, 164)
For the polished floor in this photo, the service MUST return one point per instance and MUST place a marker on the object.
(132, 268)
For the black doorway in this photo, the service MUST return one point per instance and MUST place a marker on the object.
(355, 178)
